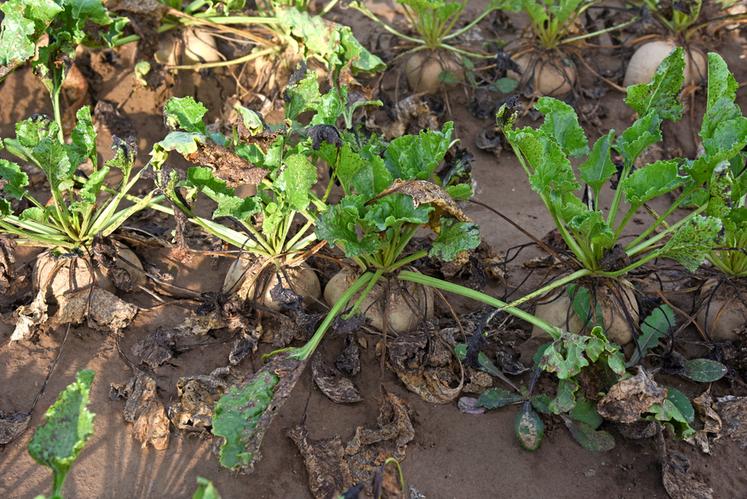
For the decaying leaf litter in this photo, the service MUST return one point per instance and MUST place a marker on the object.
(427, 361)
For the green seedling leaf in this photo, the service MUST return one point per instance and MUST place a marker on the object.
(302, 96)
(588, 437)
(23, 22)
(296, 181)
(598, 168)
(454, 238)
(237, 414)
(495, 398)
(660, 321)
(205, 489)
(587, 224)
(691, 243)
(652, 181)
(416, 157)
(529, 428)
(704, 370)
(505, 85)
(185, 113)
(581, 303)
(661, 95)
(14, 179)
(68, 425)
(142, 68)
(541, 403)
(90, 189)
(561, 123)
(682, 403)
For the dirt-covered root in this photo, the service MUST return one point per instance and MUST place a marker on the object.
(722, 311)
(65, 273)
(193, 46)
(551, 76)
(429, 71)
(615, 299)
(245, 274)
(401, 306)
(647, 57)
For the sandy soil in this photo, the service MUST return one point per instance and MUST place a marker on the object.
(453, 456)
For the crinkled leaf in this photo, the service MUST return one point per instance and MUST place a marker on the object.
(394, 210)
(691, 243)
(236, 416)
(68, 425)
(495, 398)
(31, 131)
(565, 357)
(185, 143)
(341, 225)
(83, 144)
(454, 238)
(15, 179)
(529, 428)
(551, 171)
(704, 370)
(185, 113)
(652, 181)
(587, 224)
(565, 397)
(229, 205)
(359, 175)
(23, 22)
(644, 132)
(301, 96)
(561, 123)
(598, 167)
(661, 94)
(296, 181)
(412, 157)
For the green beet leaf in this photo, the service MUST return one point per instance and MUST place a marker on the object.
(691, 243)
(68, 425)
(550, 169)
(565, 397)
(495, 398)
(341, 226)
(185, 113)
(395, 210)
(682, 403)
(416, 157)
(296, 181)
(15, 179)
(585, 411)
(661, 94)
(23, 22)
(205, 489)
(644, 132)
(367, 176)
(237, 414)
(660, 321)
(83, 145)
(652, 181)
(229, 205)
(561, 123)
(588, 437)
(598, 168)
(454, 238)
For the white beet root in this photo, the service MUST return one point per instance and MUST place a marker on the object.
(647, 57)
(550, 77)
(423, 70)
(723, 315)
(194, 46)
(557, 311)
(407, 304)
(243, 275)
(64, 274)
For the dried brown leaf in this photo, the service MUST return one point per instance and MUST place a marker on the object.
(332, 383)
(104, 310)
(197, 396)
(12, 425)
(424, 192)
(144, 410)
(679, 482)
(326, 467)
(155, 349)
(629, 398)
(229, 166)
(733, 413)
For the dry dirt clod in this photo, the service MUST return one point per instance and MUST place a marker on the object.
(629, 398)
(678, 481)
(144, 410)
(326, 467)
(703, 404)
(332, 383)
(12, 425)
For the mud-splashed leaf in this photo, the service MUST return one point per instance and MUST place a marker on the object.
(704, 370)
(425, 192)
(529, 428)
(588, 437)
(495, 398)
(629, 398)
(333, 384)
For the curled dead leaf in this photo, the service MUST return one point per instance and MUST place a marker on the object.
(631, 397)
(229, 166)
(326, 467)
(332, 383)
(30, 318)
(155, 349)
(424, 192)
(197, 396)
(103, 310)
(12, 425)
(144, 410)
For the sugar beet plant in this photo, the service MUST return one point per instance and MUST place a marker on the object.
(593, 237)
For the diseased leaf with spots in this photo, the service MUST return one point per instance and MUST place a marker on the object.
(495, 398)
(550, 169)
(691, 243)
(661, 94)
(704, 370)
(296, 181)
(529, 428)
(454, 238)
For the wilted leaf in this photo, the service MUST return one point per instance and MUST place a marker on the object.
(326, 465)
(424, 192)
(145, 411)
(197, 396)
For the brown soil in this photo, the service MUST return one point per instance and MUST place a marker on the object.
(454, 455)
